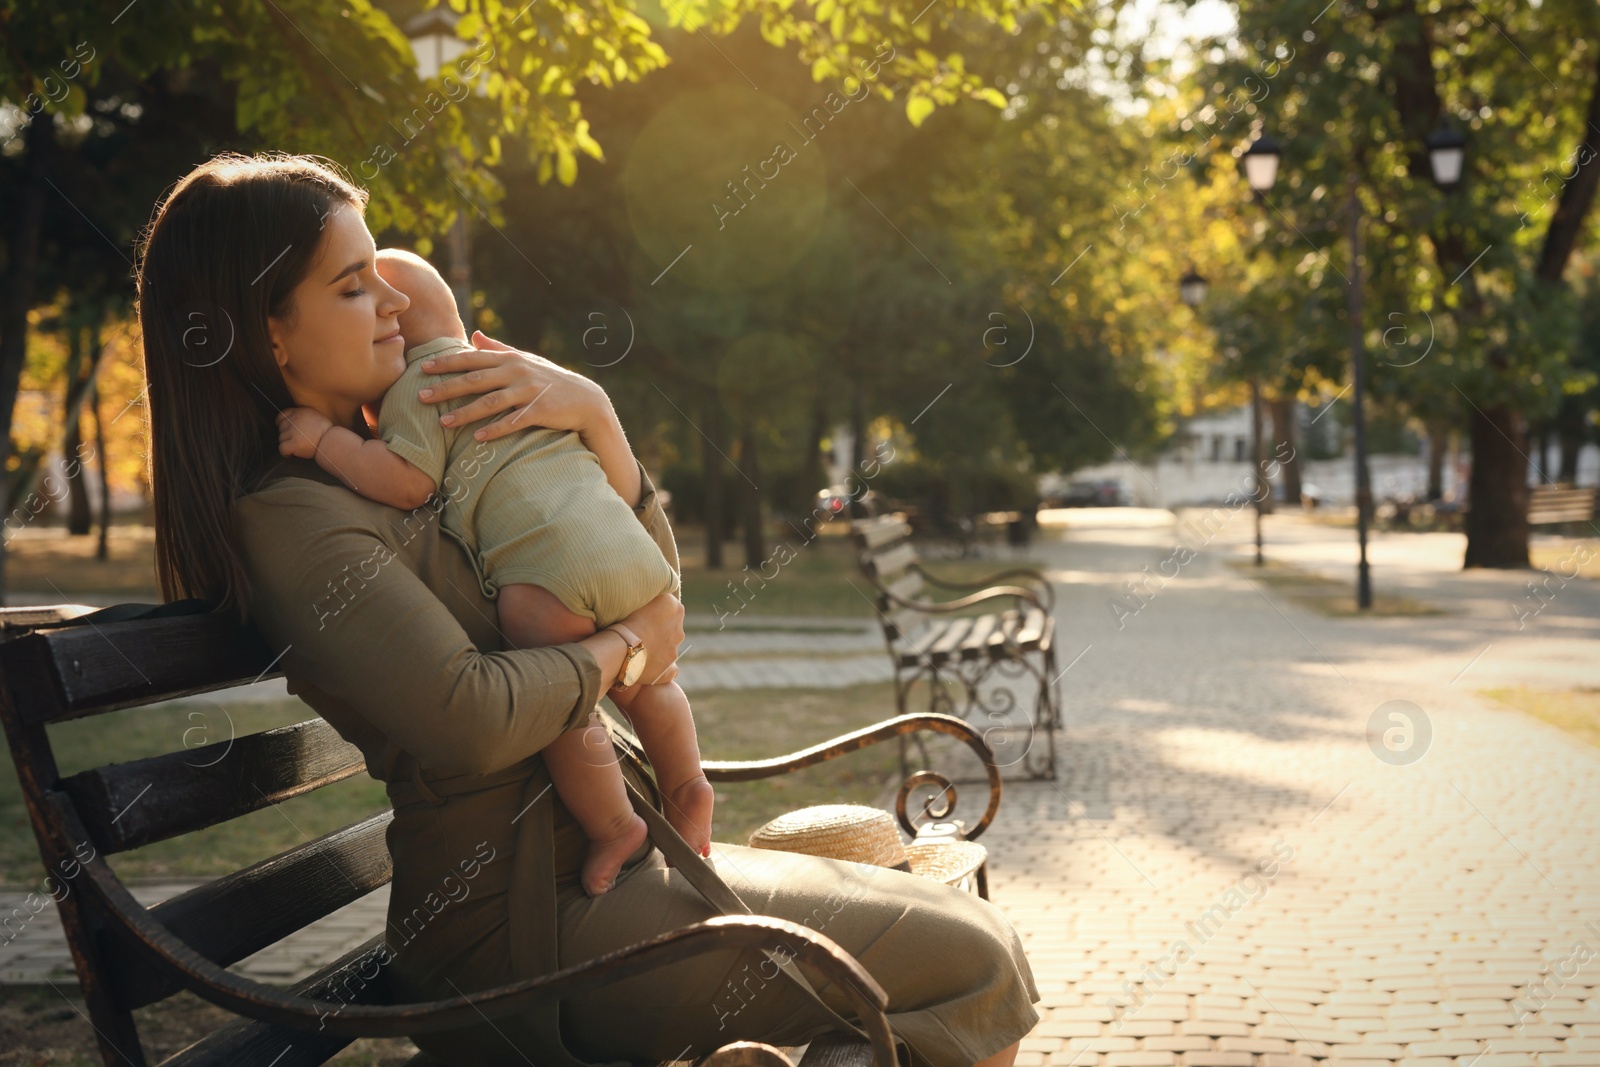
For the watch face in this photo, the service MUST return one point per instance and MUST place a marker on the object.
(634, 667)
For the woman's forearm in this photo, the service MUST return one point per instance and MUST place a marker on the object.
(607, 647)
(604, 437)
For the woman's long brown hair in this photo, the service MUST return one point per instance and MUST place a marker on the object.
(224, 251)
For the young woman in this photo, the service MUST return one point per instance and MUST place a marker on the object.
(257, 292)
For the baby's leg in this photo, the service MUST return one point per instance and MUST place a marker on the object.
(582, 766)
(584, 771)
(661, 717)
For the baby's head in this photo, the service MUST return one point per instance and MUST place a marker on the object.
(433, 306)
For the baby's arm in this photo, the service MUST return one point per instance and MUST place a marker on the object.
(368, 467)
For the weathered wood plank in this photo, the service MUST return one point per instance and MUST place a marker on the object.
(234, 916)
(74, 671)
(883, 530)
(127, 805)
(890, 562)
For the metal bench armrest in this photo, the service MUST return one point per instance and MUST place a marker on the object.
(752, 770)
(1046, 592)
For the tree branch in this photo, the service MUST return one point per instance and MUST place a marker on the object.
(1576, 197)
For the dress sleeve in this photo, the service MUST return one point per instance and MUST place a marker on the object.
(342, 593)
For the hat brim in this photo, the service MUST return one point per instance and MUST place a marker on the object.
(949, 862)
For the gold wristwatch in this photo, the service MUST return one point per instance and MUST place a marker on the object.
(633, 660)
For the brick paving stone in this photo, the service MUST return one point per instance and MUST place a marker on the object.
(1216, 1059)
(1253, 1044)
(1144, 1058)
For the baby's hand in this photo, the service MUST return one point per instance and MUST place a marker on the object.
(299, 431)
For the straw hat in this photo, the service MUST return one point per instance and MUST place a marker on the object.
(868, 835)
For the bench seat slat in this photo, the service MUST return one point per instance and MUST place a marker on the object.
(237, 915)
(955, 631)
(63, 674)
(127, 805)
(979, 638)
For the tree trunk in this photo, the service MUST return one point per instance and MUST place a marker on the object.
(1572, 426)
(78, 517)
(26, 215)
(755, 542)
(858, 449)
(103, 549)
(1438, 443)
(813, 474)
(1283, 434)
(711, 467)
(1497, 512)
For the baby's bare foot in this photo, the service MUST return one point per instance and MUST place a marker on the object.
(689, 812)
(605, 858)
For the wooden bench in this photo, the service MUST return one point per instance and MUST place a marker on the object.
(956, 653)
(53, 669)
(1550, 505)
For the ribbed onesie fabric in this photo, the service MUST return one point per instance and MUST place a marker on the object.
(533, 506)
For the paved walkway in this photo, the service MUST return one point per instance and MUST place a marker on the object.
(1229, 872)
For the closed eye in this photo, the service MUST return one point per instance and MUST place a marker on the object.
(354, 292)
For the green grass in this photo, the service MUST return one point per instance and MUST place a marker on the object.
(821, 578)
(1577, 711)
(1329, 597)
(56, 563)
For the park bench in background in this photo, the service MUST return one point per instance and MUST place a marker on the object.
(959, 655)
(128, 956)
(1550, 505)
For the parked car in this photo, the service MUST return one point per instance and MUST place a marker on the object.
(1098, 493)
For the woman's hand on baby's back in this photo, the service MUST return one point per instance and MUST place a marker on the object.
(522, 388)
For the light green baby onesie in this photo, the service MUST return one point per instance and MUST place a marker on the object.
(533, 506)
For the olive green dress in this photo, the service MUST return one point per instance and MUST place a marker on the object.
(386, 633)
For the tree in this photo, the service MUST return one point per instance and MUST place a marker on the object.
(1361, 87)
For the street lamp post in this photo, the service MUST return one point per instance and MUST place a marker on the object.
(1192, 291)
(1446, 159)
(1358, 375)
(434, 43)
(1260, 163)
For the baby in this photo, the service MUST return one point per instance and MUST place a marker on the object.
(553, 542)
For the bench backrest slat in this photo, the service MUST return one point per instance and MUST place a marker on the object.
(74, 671)
(128, 805)
(239, 914)
(883, 530)
(886, 564)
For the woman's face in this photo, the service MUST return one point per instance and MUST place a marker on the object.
(340, 346)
